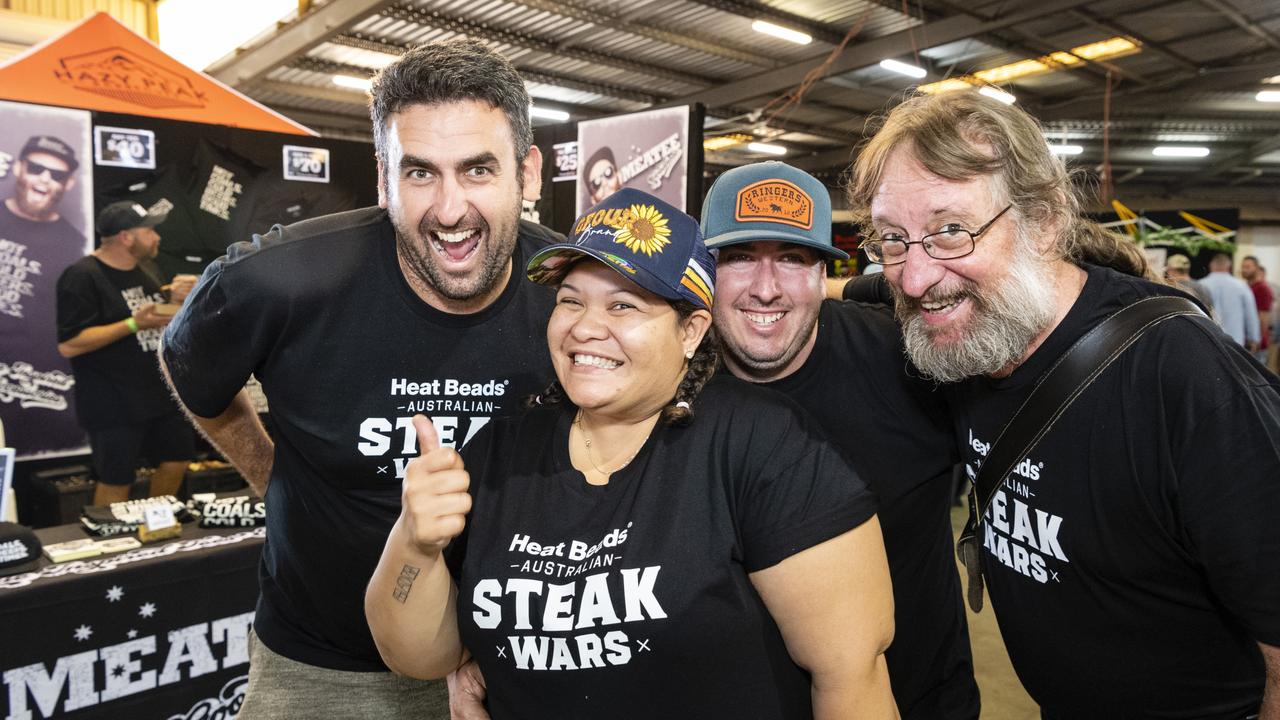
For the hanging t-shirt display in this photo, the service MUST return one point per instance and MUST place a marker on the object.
(216, 188)
(1132, 558)
(894, 428)
(632, 599)
(346, 353)
(182, 250)
(119, 383)
(273, 200)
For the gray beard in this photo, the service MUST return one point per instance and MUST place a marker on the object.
(1001, 327)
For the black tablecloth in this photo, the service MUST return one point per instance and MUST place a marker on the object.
(157, 632)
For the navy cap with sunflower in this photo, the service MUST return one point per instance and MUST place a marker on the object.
(645, 240)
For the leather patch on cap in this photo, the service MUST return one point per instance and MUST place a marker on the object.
(775, 201)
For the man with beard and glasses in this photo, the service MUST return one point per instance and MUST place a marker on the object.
(770, 227)
(1131, 558)
(354, 323)
(111, 311)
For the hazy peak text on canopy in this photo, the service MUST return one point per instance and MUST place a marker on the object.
(102, 65)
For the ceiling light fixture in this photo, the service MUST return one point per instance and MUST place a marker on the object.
(720, 142)
(1181, 151)
(1102, 50)
(1066, 149)
(354, 83)
(997, 94)
(548, 114)
(1268, 96)
(766, 148)
(904, 68)
(778, 31)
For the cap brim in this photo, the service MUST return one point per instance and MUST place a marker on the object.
(20, 568)
(153, 219)
(538, 271)
(738, 237)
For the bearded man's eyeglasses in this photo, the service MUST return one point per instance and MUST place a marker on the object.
(948, 243)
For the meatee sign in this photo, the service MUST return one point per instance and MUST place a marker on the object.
(118, 73)
(100, 675)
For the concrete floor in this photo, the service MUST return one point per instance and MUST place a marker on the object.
(1002, 695)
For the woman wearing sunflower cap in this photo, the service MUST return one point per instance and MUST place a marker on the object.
(650, 539)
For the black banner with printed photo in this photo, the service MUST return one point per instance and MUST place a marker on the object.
(46, 223)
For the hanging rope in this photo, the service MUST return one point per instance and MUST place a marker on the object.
(1107, 188)
(794, 97)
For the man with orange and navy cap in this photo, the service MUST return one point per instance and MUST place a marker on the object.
(770, 227)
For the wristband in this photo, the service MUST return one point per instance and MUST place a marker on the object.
(132, 325)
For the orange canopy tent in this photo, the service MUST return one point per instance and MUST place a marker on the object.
(103, 65)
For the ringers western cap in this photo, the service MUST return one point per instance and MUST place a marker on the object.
(643, 239)
(769, 201)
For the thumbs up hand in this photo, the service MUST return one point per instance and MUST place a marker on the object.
(435, 501)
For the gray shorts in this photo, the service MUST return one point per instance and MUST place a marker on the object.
(284, 689)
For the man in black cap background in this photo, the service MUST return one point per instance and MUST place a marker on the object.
(111, 311)
(36, 242)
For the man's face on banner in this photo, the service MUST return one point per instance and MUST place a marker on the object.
(603, 180)
(40, 180)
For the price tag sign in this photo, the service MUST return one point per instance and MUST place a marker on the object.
(566, 161)
(123, 147)
(306, 164)
(158, 517)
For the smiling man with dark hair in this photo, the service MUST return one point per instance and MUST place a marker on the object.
(355, 322)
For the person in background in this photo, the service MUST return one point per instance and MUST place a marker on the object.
(1256, 276)
(110, 314)
(354, 323)
(651, 540)
(1130, 559)
(769, 226)
(1177, 270)
(1232, 300)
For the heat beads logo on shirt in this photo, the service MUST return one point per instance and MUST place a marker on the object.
(1028, 546)
(458, 408)
(14, 271)
(135, 297)
(581, 610)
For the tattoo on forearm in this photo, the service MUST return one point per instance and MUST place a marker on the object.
(404, 583)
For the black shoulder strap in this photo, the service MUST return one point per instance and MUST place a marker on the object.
(1054, 392)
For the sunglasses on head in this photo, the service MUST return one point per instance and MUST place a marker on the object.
(35, 168)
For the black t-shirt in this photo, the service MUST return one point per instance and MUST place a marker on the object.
(895, 430)
(119, 383)
(1132, 559)
(632, 599)
(347, 354)
(182, 249)
(34, 378)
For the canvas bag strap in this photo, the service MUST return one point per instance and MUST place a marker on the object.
(1054, 392)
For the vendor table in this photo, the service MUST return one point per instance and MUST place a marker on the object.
(159, 632)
